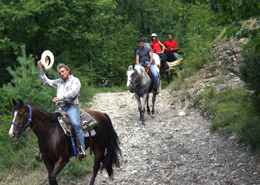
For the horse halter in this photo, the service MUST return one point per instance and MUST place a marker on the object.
(133, 81)
(28, 122)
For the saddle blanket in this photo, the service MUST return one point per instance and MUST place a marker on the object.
(175, 63)
(84, 118)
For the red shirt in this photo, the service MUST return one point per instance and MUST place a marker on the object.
(171, 45)
(155, 46)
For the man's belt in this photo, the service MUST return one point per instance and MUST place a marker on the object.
(64, 104)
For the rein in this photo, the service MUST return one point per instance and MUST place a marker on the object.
(143, 76)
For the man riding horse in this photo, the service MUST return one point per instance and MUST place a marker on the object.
(68, 90)
(144, 55)
(171, 51)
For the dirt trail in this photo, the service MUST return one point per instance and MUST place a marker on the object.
(174, 147)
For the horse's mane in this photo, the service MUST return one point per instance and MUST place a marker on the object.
(53, 116)
(41, 109)
(140, 70)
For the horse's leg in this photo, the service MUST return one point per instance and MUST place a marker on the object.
(168, 76)
(139, 104)
(153, 100)
(99, 154)
(147, 106)
(162, 71)
(144, 99)
(171, 74)
(50, 166)
(60, 164)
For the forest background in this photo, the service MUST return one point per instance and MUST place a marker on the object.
(96, 39)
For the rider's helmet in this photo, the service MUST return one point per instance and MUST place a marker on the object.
(154, 35)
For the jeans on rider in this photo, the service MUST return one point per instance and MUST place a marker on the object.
(73, 112)
(176, 55)
(154, 73)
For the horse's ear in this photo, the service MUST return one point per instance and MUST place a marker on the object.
(126, 66)
(133, 65)
(21, 102)
(14, 102)
(134, 48)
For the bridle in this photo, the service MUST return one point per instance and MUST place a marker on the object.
(135, 84)
(29, 121)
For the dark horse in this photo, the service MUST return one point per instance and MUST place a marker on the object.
(55, 146)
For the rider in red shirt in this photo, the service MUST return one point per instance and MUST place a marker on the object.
(172, 49)
(155, 44)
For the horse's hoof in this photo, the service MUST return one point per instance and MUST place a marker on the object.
(148, 112)
(153, 116)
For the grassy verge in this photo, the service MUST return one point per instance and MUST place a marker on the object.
(232, 110)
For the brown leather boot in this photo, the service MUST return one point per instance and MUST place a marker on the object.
(38, 156)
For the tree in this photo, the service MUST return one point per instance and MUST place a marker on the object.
(234, 11)
(26, 83)
(64, 27)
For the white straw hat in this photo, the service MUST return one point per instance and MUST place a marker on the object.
(47, 59)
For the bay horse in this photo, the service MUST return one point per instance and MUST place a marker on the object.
(55, 146)
(142, 84)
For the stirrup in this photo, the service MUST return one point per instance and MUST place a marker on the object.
(82, 153)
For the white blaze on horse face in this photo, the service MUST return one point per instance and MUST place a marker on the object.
(11, 131)
(129, 73)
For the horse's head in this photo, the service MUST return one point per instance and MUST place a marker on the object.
(21, 118)
(131, 75)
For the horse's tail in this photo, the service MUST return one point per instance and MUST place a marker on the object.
(113, 152)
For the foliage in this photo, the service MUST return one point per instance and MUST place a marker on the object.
(15, 154)
(233, 111)
(198, 36)
(5, 106)
(100, 35)
(250, 132)
(249, 72)
(27, 85)
(235, 11)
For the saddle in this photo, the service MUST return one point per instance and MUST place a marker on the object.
(87, 122)
(151, 76)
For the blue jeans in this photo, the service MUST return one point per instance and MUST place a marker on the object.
(73, 112)
(154, 73)
(176, 55)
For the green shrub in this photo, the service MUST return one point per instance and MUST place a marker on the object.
(250, 132)
(5, 105)
(249, 73)
(27, 85)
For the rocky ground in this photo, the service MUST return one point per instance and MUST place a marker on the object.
(174, 147)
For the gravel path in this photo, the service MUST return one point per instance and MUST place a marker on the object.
(174, 147)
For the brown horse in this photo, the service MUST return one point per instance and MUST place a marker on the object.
(55, 146)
